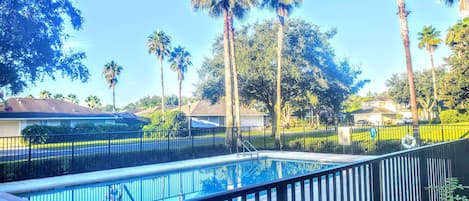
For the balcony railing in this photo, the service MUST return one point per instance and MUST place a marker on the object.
(404, 175)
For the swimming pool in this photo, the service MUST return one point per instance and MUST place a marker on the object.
(184, 184)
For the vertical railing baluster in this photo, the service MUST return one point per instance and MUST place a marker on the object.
(320, 188)
(302, 189)
(328, 193)
(376, 181)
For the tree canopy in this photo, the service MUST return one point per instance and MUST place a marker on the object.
(456, 88)
(32, 37)
(309, 64)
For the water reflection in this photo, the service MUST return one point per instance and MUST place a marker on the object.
(185, 184)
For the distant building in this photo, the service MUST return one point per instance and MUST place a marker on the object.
(380, 111)
(205, 114)
(22, 112)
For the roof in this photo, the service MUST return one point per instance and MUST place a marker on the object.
(374, 111)
(205, 108)
(48, 108)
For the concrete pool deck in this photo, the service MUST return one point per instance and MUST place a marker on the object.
(50, 183)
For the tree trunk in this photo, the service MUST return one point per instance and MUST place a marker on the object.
(179, 87)
(162, 88)
(235, 78)
(113, 99)
(228, 87)
(410, 76)
(435, 94)
(278, 100)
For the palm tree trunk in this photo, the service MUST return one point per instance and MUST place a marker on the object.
(278, 99)
(162, 88)
(113, 99)
(435, 94)
(228, 87)
(179, 87)
(235, 78)
(410, 76)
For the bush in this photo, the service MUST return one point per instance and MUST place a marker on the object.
(35, 134)
(39, 134)
(175, 122)
(454, 116)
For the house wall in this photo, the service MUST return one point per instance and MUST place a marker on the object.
(67, 122)
(10, 128)
(246, 121)
(252, 121)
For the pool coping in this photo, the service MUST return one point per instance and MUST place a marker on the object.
(50, 183)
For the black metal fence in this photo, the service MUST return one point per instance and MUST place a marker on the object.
(404, 175)
(51, 155)
(43, 156)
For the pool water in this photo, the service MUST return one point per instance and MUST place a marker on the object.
(183, 184)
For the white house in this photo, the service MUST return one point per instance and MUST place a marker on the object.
(204, 112)
(22, 112)
(380, 111)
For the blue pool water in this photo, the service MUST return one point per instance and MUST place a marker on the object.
(183, 184)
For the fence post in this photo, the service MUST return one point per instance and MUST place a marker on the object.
(376, 180)
(282, 191)
(73, 154)
(167, 150)
(141, 141)
(282, 136)
(213, 138)
(249, 133)
(378, 143)
(30, 155)
(192, 145)
(423, 177)
(109, 149)
(264, 139)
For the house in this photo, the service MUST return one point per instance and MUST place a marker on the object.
(380, 111)
(19, 113)
(205, 114)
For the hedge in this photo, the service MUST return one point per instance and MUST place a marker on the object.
(40, 134)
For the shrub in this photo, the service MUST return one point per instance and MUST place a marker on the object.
(454, 116)
(35, 134)
(175, 122)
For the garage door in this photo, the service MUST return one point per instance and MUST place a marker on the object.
(9, 128)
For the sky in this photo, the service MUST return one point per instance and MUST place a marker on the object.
(368, 35)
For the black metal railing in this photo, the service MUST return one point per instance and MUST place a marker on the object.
(52, 155)
(404, 175)
(26, 157)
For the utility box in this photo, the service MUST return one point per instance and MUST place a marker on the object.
(345, 135)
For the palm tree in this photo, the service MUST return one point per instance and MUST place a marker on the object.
(283, 8)
(180, 59)
(463, 6)
(159, 44)
(93, 101)
(410, 75)
(30, 96)
(59, 96)
(110, 71)
(216, 8)
(237, 9)
(45, 94)
(72, 98)
(430, 39)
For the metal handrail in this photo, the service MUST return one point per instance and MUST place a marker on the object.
(249, 148)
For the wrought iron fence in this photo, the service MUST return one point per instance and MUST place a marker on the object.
(51, 155)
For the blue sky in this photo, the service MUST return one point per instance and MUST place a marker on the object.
(368, 35)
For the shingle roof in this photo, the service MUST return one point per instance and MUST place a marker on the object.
(35, 108)
(375, 111)
(205, 108)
